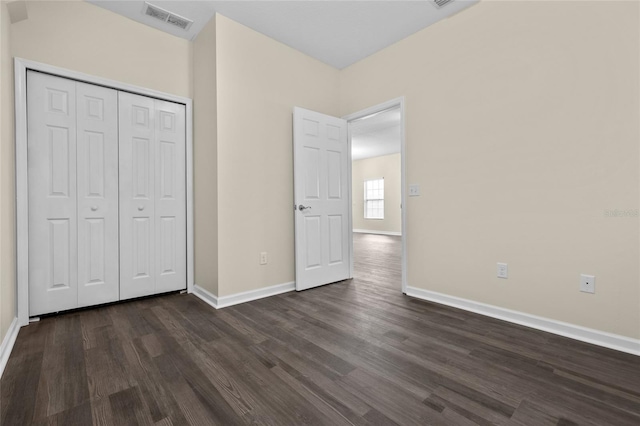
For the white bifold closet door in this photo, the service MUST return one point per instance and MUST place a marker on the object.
(153, 249)
(73, 194)
(107, 195)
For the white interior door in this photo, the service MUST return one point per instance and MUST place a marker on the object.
(51, 146)
(170, 196)
(137, 193)
(73, 194)
(97, 178)
(321, 199)
(152, 196)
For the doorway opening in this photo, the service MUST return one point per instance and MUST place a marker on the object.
(377, 172)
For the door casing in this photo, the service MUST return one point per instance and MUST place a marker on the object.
(22, 198)
(393, 103)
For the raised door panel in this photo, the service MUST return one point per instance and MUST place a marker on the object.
(97, 169)
(51, 145)
(312, 176)
(313, 249)
(137, 142)
(336, 239)
(170, 197)
(334, 175)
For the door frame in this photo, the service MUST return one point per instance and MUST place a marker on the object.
(393, 103)
(21, 66)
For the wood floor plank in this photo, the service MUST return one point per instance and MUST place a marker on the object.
(101, 412)
(376, 418)
(337, 416)
(155, 392)
(322, 386)
(105, 369)
(468, 407)
(529, 413)
(270, 393)
(128, 408)
(78, 415)
(390, 399)
(357, 352)
(63, 380)
(196, 407)
(19, 386)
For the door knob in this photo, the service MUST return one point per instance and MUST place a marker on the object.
(140, 208)
(94, 208)
(303, 208)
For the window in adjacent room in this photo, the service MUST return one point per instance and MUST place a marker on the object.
(374, 199)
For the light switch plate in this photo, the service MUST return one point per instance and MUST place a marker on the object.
(414, 190)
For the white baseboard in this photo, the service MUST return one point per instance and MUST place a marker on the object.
(208, 297)
(246, 296)
(370, 231)
(588, 335)
(7, 344)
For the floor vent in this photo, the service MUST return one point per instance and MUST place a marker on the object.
(441, 3)
(168, 17)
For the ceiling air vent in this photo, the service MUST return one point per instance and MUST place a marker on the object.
(168, 17)
(441, 3)
(179, 21)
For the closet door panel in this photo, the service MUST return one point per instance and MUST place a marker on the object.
(97, 170)
(51, 157)
(137, 122)
(170, 196)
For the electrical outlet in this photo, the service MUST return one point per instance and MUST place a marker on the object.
(263, 258)
(587, 283)
(503, 270)
(414, 190)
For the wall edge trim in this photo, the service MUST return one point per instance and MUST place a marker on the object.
(261, 293)
(7, 344)
(205, 295)
(572, 331)
(371, 231)
(220, 302)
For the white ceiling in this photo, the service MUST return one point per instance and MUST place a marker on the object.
(200, 12)
(336, 32)
(376, 135)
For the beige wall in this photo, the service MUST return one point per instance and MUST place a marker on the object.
(86, 38)
(522, 130)
(7, 181)
(388, 167)
(81, 37)
(205, 159)
(259, 83)
(522, 127)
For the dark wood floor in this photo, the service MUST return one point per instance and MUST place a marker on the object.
(356, 352)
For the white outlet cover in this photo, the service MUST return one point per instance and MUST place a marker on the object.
(587, 283)
(414, 190)
(503, 270)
